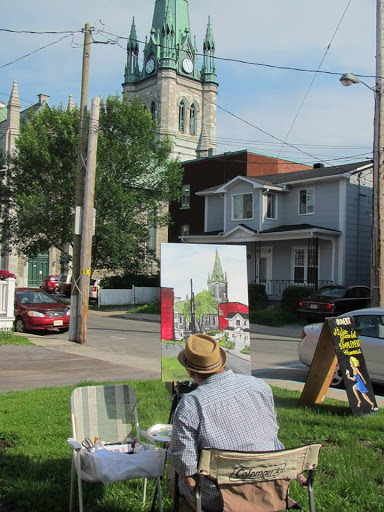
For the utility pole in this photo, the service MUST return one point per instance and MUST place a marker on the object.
(87, 222)
(377, 279)
(80, 179)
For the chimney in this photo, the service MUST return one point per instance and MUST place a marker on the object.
(43, 98)
(318, 165)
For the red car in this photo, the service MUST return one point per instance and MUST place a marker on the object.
(50, 284)
(36, 310)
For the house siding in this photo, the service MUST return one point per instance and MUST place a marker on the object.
(326, 206)
(215, 213)
(358, 229)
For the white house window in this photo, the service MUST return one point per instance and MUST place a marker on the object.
(186, 196)
(304, 265)
(306, 201)
(185, 229)
(242, 206)
(182, 116)
(271, 206)
(192, 120)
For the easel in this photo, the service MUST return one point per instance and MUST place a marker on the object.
(176, 390)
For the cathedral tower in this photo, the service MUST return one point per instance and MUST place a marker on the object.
(217, 281)
(181, 98)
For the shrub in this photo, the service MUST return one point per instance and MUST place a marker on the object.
(128, 280)
(291, 296)
(272, 316)
(257, 297)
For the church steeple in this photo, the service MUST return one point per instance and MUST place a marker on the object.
(208, 70)
(12, 129)
(132, 67)
(217, 281)
(182, 100)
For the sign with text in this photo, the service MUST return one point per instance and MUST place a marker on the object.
(352, 365)
(339, 342)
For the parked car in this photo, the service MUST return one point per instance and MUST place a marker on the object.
(50, 284)
(65, 284)
(333, 300)
(369, 323)
(36, 310)
(94, 288)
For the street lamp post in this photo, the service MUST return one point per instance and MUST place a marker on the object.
(377, 293)
(377, 258)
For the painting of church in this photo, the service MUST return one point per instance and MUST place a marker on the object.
(197, 295)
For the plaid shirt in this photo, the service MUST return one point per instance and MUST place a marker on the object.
(227, 411)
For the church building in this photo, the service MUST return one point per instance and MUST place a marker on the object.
(181, 97)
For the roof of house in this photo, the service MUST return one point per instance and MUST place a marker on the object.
(291, 177)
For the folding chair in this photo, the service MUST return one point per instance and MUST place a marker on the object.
(260, 480)
(110, 414)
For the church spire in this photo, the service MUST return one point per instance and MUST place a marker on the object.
(132, 67)
(217, 281)
(208, 70)
(12, 129)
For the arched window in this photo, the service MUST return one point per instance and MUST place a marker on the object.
(153, 111)
(192, 120)
(182, 116)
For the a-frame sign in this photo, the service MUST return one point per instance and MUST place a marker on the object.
(339, 343)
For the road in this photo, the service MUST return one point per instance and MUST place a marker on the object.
(119, 348)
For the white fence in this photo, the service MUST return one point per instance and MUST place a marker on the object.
(7, 298)
(137, 295)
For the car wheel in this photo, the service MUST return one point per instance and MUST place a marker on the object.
(19, 325)
(337, 379)
(56, 290)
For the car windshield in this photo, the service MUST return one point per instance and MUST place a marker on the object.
(370, 325)
(34, 297)
(329, 291)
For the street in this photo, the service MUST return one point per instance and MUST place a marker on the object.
(121, 348)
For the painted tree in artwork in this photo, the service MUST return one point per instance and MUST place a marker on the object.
(205, 304)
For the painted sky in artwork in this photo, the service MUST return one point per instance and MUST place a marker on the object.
(182, 262)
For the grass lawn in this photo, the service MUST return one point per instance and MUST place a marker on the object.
(35, 459)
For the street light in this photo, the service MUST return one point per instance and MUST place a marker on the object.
(349, 79)
(377, 255)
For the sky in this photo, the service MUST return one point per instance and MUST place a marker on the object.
(260, 105)
(182, 262)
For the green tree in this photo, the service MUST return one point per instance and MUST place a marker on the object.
(205, 304)
(134, 177)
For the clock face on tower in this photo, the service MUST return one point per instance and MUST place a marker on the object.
(150, 65)
(187, 65)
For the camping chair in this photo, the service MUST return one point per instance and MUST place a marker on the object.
(258, 481)
(109, 413)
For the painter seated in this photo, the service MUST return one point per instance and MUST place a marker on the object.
(226, 411)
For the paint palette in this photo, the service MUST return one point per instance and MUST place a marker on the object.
(161, 432)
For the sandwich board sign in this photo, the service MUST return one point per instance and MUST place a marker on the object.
(339, 343)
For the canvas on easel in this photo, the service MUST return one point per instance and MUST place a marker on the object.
(339, 343)
(204, 288)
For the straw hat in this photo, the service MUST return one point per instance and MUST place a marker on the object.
(202, 354)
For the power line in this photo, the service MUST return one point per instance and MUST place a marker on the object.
(314, 78)
(37, 50)
(225, 59)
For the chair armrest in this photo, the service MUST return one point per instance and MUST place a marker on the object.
(75, 444)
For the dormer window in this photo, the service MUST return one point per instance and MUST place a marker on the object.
(306, 201)
(242, 206)
(271, 206)
(182, 116)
